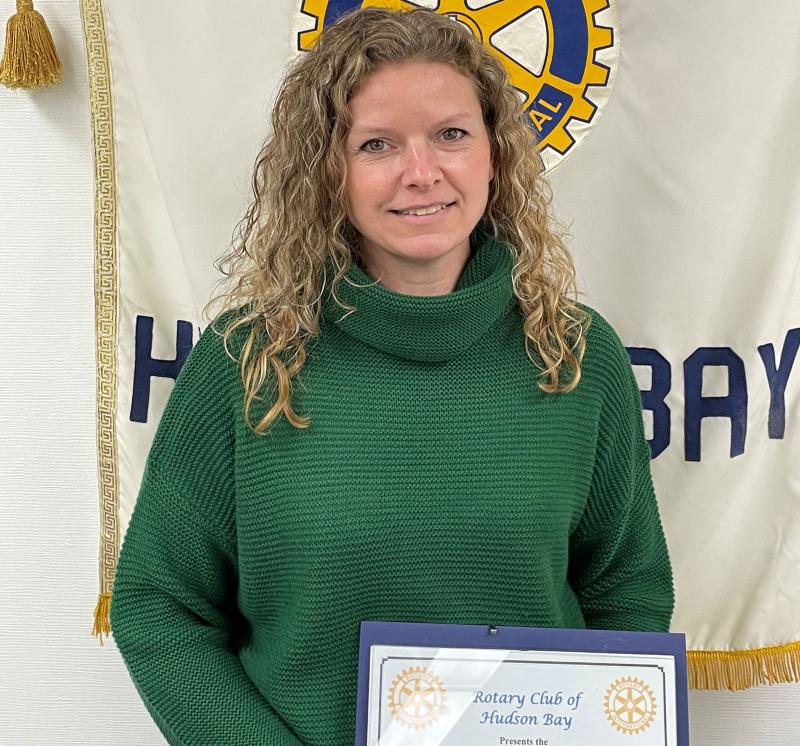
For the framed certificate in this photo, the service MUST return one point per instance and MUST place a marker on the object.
(470, 685)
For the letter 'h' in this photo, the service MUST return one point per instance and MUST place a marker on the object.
(146, 366)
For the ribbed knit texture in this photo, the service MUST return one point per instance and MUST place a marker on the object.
(436, 483)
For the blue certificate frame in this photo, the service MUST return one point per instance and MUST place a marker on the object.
(443, 636)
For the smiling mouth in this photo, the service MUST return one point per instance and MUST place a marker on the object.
(430, 210)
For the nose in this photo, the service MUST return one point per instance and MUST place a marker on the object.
(421, 167)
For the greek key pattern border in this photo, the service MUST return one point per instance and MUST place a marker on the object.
(105, 284)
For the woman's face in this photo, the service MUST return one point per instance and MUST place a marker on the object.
(418, 144)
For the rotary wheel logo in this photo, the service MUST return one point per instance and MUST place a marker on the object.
(417, 697)
(630, 705)
(561, 55)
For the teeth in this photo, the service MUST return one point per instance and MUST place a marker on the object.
(424, 210)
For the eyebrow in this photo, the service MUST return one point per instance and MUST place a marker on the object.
(373, 129)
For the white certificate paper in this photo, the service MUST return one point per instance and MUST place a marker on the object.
(427, 696)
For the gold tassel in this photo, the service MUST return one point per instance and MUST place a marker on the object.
(29, 59)
(102, 625)
(742, 669)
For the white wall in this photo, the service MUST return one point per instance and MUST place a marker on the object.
(57, 685)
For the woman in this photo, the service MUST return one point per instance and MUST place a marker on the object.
(402, 414)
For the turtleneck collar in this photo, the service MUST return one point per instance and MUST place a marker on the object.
(431, 328)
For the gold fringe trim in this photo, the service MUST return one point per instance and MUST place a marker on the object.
(742, 669)
(30, 59)
(106, 294)
(102, 625)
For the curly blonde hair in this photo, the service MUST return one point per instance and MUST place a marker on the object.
(296, 232)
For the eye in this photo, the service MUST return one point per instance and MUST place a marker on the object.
(374, 146)
(452, 133)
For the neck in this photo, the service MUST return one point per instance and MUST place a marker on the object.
(418, 277)
(431, 328)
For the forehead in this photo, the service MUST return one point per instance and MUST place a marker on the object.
(414, 88)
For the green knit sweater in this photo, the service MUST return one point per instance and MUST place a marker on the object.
(436, 483)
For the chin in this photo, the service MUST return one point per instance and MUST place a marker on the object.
(427, 247)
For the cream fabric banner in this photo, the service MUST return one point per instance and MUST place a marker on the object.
(668, 129)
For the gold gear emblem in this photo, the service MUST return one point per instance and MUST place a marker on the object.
(417, 697)
(552, 101)
(630, 705)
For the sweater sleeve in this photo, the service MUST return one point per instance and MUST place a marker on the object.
(173, 610)
(619, 563)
